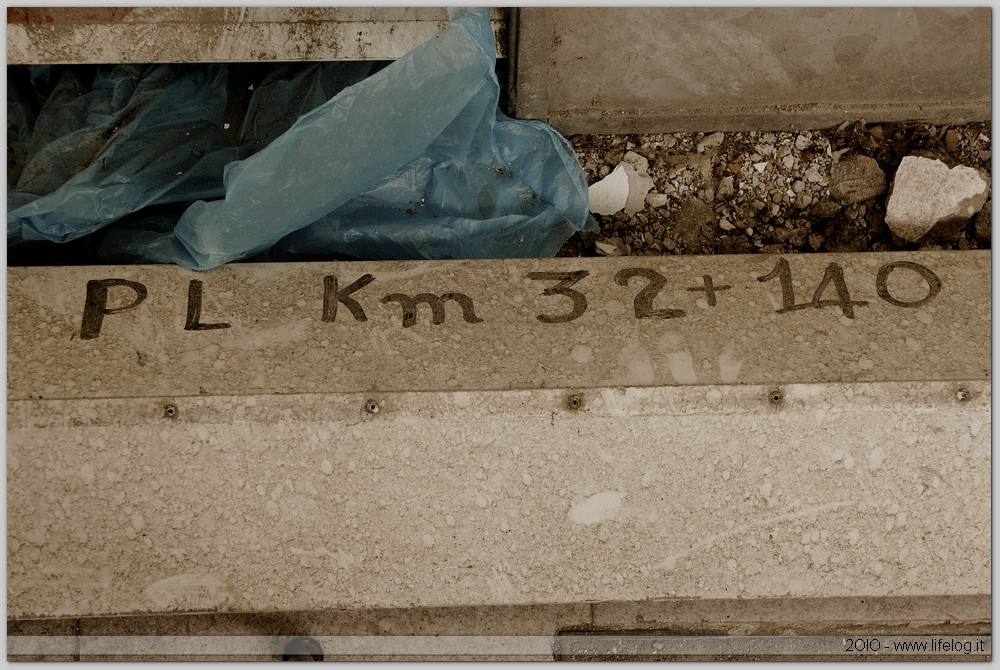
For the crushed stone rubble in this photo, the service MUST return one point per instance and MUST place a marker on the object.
(780, 192)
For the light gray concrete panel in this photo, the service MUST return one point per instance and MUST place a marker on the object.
(670, 69)
(925, 317)
(293, 502)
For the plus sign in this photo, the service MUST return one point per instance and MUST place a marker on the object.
(709, 289)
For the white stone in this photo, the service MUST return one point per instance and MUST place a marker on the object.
(657, 199)
(638, 186)
(727, 187)
(926, 192)
(609, 195)
(709, 141)
(607, 249)
(637, 161)
(599, 507)
(813, 175)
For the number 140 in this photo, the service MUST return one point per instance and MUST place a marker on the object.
(834, 276)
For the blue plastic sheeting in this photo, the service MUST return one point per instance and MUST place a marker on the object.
(110, 140)
(415, 161)
(101, 148)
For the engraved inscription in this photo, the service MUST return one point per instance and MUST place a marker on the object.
(332, 296)
(565, 279)
(831, 291)
(436, 303)
(643, 302)
(96, 305)
(193, 321)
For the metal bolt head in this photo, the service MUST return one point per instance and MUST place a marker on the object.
(170, 411)
(574, 402)
(963, 395)
(371, 406)
(775, 396)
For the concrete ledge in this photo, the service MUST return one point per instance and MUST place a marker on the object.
(39, 35)
(774, 117)
(482, 627)
(141, 331)
(682, 69)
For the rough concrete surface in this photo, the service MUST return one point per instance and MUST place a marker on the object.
(625, 321)
(675, 69)
(282, 502)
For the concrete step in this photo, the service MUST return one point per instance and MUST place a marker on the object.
(676, 69)
(159, 463)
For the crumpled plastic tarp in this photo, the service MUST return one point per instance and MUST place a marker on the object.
(414, 161)
(110, 140)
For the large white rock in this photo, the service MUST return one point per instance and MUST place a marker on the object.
(638, 186)
(625, 188)
(610, 194)
(926, 192)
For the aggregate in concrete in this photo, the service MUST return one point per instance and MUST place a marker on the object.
(296, 502)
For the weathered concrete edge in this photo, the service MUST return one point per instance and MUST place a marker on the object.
(222, 41)
(923, 615)
(592, 121)
(528, 78)
(479, 619)
(591, 402)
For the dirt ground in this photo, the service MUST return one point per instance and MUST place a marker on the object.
(768, 192)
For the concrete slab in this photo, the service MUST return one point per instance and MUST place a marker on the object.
(675, 69)
(165, 332)
(293, 502)
(495, 459)
(37, 35)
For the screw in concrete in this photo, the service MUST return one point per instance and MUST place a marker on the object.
(574, 402)
(775, 397)
(170, 411)
(371, 406)
(963, 395)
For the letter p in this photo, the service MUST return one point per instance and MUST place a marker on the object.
(97, 304)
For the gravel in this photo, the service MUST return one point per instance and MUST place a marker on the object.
(770, 192)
